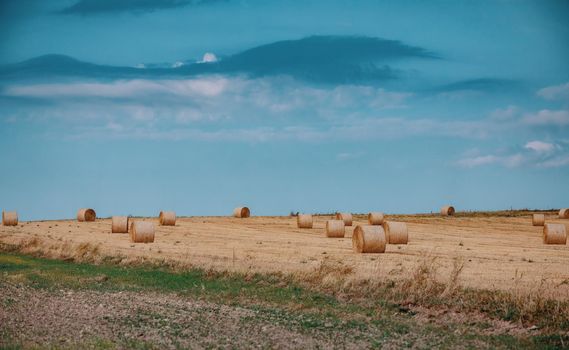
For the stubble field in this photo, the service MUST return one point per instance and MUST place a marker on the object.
(492, 252)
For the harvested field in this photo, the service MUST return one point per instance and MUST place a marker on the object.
(497, 252)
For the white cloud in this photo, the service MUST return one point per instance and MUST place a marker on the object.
(513, 160)
(472, 162)
(507, 113)
(509, 161)
(548, 117)
(540, 146)
(345, 156)
(555, 162)
(115, 126)
(350, 95)
(557, 92)
(534, 154)
(208, 57)
(292, 109)
(200, 87)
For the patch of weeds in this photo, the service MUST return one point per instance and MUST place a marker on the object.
(101, 344)
(136, 344)
(7, 342)
(357, 324)
(551, 341)
(8, 301)
(214, 286)
(10, 346)
(484, 325)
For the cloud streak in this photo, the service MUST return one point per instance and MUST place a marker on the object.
(480, 85)
(555, 93)
(540, 146)
(368, 130)
(207, 87)
(547, 117)
(508, 161)
(535, 153)
(98, 7)
(318, 59)
(275, 108)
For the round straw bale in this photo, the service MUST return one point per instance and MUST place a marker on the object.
(554, 234)
(447, 210)
(9, 218)
(120, 224)
(335, 229)
(396, 232)
(86, 214)
(369, 239)
(304, 220)
(538, 219)
(241, 212)
(346, 217)
(375, 218)
(564, 213)
(167, 218)
(142, 232)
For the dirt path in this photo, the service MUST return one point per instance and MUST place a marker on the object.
(503, 253)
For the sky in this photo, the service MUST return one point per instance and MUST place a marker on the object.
(135, 106)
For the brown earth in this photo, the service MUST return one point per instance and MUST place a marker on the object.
(37, 318)
(497, 252)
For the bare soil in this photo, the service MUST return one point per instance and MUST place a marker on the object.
(76, 319)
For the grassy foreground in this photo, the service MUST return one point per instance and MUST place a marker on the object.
(144, 299)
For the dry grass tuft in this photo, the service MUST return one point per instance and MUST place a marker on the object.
(86, 252)
(423, 282)
(82, 252)
(426, 287)
(452, 285)
(329, 275)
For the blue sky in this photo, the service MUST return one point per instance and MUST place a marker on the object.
(198, 106)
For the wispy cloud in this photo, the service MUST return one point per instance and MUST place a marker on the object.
(548, 117)
(556, 92)
(480, 85)
(158, 124)
(211, 86)
(535, 153)
(273, 108)
(218, 93)
(540, 146)
(346, 156)
(505, 114)
(508, 161)
(556, 162)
